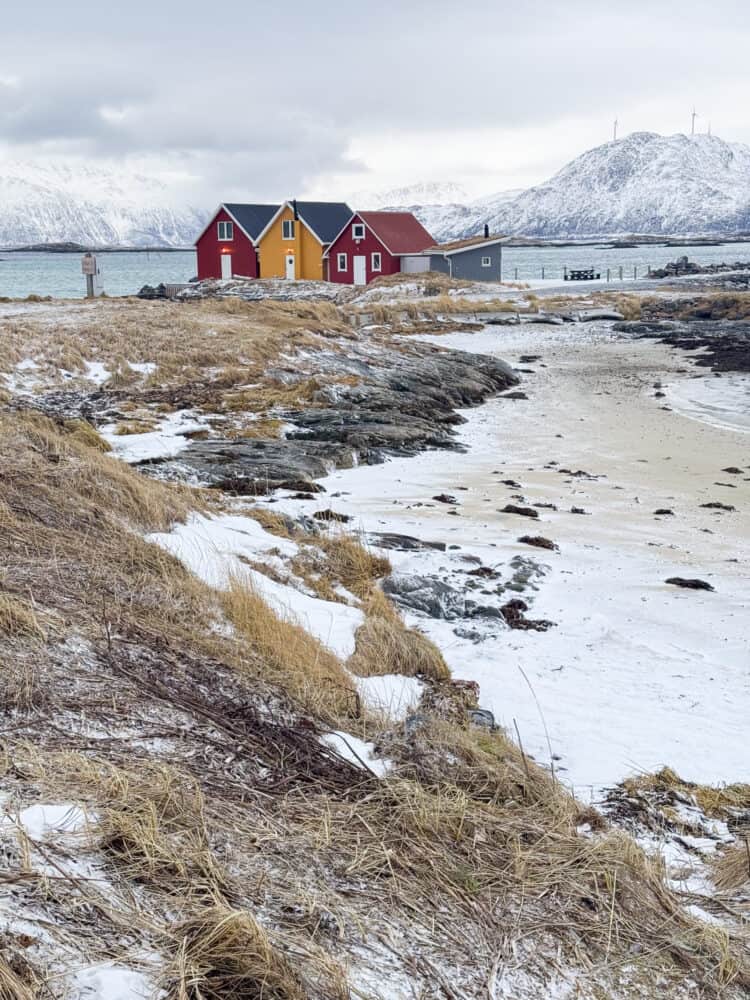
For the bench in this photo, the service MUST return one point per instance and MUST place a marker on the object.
(586, 274)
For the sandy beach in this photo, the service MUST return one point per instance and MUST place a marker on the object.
(636, 673)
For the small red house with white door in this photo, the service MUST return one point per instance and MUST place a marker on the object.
(372, 244)
(227, 247)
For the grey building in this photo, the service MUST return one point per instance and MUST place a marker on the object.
(477, 259)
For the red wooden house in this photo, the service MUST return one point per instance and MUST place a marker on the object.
(375, 243)
(227, 247)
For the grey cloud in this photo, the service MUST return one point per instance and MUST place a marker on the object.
(276, 93)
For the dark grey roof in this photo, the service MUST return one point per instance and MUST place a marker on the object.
(252, 218)
(325, 218)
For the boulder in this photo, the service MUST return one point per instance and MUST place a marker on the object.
(427, 594)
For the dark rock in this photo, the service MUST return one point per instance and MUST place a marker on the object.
(512, 483)
(516, 394)
(539, 541)
(717, 505)
(404, 543)
(733, 470)
(153, 292)
(690, 584)
(664, 511)
(514, 614)
(578, 510)
(511, 508)
(445, 498)
(578, 474)
(546, 506)
(482, 717)
(404, 402)
(331, 515)
(302, 496)
(484, 573)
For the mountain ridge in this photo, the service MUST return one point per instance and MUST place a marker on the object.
(642, 183)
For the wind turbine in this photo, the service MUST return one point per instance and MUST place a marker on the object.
(694, 116)
(615, 130)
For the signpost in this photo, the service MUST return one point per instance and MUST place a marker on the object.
(91, 271)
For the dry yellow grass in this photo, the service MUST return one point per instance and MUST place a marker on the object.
(715, 800)
(732, 868)
(293, 658)
(154, 828)
(350, 563)
(387, 646)
(186, 342)
(18, 618)
(84, 433)
(225, 953)
(270, 521)
(12, 986)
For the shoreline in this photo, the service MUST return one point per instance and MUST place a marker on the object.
(647, 672)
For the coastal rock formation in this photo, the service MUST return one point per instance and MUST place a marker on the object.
(403, 403)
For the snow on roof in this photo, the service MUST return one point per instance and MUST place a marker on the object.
(467, 243)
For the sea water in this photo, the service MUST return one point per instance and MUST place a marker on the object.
(121, 273)
(722, 401)
(124, 273)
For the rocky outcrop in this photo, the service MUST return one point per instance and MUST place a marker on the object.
(404, 402)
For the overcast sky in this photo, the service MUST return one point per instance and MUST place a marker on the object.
(249, 100)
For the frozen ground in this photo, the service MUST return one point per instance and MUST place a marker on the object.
(636, 673)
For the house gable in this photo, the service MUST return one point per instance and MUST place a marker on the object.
(305, 246)
(240, 252)
(343, 250)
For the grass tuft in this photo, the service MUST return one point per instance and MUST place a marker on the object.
(225, 954)
(293, 657)
(387, 646)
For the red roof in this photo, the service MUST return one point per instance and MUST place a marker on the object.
(400, 232)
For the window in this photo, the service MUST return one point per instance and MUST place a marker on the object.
(486, 261)
(226, 230)
(287, 229)
(376, 263)
(358, 231)
(341, 263)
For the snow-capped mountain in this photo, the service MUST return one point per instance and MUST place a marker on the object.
(644, 183)
(98, 206)
(425, 193)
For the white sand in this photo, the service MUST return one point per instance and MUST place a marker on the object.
(637, 673)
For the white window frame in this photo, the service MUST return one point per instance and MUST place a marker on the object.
(358, 230)
(225, 231)
(486, 261)
(342, 262)
(373, 265)
(287, 229)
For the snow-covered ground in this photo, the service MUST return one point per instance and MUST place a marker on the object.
(636, 673)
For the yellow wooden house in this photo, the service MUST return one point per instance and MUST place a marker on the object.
(293, 243)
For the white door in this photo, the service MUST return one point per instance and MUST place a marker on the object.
(226, 265)
(360, 270)
(290, 266)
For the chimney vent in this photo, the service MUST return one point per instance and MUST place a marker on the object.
(486, 231)
(294, 209)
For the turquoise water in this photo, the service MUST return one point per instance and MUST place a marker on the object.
(59, 274)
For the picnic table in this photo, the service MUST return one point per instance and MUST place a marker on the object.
(582, 274)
